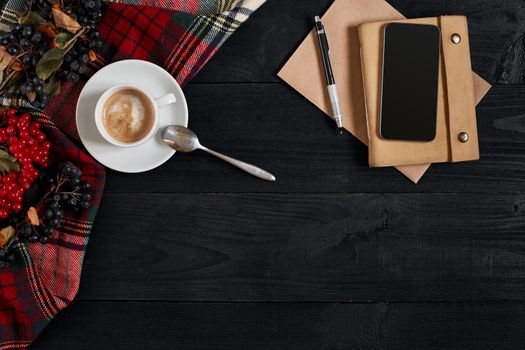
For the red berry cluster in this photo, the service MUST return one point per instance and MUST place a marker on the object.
(29, 145)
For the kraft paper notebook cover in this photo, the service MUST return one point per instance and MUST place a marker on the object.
(456, 109)
(304, 70)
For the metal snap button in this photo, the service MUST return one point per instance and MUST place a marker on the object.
(456, 38)
(463, 137)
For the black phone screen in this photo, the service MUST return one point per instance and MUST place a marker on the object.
(410, 82)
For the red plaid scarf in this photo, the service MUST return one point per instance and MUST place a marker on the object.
(181, 36)
(45, 278)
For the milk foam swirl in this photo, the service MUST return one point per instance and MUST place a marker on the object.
(128, 115)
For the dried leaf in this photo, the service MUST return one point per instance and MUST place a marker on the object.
(52, 87)
(62, 39)
(6, 234)
(92, 56)
(32, 18)
(48, 30)
(5, 58)
(17, 66)
(50, 63)
(8, 162)
(32, 215)
(31, 96)
(62, 20)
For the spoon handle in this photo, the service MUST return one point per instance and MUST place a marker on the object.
(250, 169)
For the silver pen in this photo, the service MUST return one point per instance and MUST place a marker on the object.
(330, 80)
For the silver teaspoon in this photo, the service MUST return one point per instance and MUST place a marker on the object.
(184, 140)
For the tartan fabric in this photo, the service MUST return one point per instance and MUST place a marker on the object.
(45, 278)
(179, 35)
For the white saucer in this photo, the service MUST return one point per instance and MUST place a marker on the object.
(158, 83)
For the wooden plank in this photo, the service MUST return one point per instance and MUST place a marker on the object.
(276, 129)
(263, 44)
(307, 247)
(127, 326)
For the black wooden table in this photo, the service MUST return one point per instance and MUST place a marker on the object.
(198, 255)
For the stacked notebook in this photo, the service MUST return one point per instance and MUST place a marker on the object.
(355, 35)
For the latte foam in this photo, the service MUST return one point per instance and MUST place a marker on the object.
(128, 115)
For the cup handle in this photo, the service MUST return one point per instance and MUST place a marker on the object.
(166, 100)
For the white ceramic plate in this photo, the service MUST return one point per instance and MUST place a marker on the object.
(149, 77)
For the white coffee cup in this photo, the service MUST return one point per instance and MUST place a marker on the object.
(156, 103)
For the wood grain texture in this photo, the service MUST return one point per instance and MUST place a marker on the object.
(315, 326)
(275, 128)
(271, 36)
(334, 255)
(307, 247)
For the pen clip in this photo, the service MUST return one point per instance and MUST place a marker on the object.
(321, 30)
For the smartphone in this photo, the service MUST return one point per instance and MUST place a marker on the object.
(410, 79)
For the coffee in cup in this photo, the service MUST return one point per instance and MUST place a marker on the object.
(128, 115)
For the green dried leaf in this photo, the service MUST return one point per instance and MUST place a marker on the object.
(71, 42)
(8, 162)
(62, 39)
(52, 87)
(32, 18)
(50, 63)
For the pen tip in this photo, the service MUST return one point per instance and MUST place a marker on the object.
(340, 131)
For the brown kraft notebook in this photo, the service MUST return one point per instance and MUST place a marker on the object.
(304, 70)
(456, 108)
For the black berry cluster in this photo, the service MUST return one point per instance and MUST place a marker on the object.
(90, 12)
(7, 256)
(65, 192)
(75, 194)
(78, 57)
(28, 43)
(86, 12)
